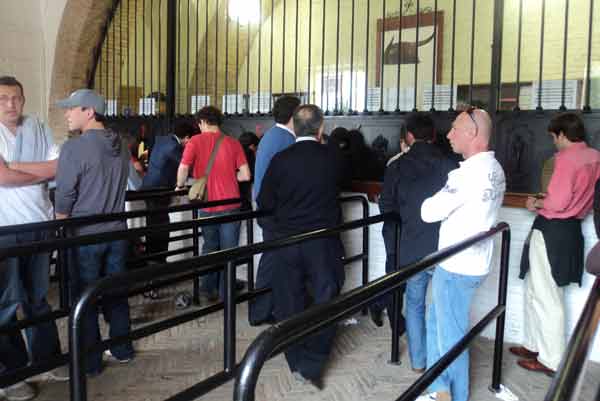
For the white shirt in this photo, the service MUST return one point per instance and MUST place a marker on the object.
(24, 204)
(286, 128)
(467, 205)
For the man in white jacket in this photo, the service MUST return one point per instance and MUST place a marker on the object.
(468, 204)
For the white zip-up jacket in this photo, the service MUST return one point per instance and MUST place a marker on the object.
(467, 205)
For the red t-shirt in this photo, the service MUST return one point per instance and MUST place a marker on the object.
(222, 181)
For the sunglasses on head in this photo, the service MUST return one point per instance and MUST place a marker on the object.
(469, 112)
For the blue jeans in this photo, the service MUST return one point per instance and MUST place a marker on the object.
(24, 280)
(447, 323)
(416, 293)
(218, 237)
(95, 262)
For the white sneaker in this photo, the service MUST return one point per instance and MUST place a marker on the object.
(111, 357)
(19, 392)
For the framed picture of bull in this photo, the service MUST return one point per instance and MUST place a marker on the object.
(412, 46)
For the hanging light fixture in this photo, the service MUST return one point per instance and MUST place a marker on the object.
(248, 11)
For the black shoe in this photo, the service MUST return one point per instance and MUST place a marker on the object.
(316, 383)
(376, 316)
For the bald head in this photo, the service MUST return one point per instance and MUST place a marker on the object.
(471, 132)
(308, 121)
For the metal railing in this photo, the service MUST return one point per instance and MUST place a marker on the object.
(62, 243)
(277, 338)
(204, 264)
(567, 383)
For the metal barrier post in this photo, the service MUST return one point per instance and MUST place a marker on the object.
(250, 240)
(502, 285)
(365, 247)
(229, 318)
(396, 312)
(196, 252)
(78, 381)
(62, 269)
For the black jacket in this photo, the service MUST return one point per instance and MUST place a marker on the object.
(301, 186)
(408, 181)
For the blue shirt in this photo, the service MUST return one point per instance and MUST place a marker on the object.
(164, 162)
(274, 141)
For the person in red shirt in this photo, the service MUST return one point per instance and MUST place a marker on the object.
(554, 257)
(230, 166)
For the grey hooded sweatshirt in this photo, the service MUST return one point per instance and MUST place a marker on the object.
(92, 177)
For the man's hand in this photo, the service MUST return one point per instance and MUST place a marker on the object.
(533, 203)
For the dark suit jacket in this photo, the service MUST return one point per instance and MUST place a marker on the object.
(164, 161)
(410, 180)
(301, 186)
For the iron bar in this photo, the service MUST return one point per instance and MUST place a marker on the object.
(396, 311)
(337, 58)
(541, 68)
(259, 60)
(187, 61)
(434, 64)
(144, 94)
(179, 44)
(588, 87)
(366, 108)
(416, 79)
(128, 61)
(216, 100)
(400, 11)
(135, 50)
(225, 102)
(452, 62)
(381, 62)
(519, 43)
(152, 53)
(121, 46)
(351, 58)
(496, 70)
(564, 66)
(114, 56)
(160, 36)
(237, 65)
(248, 70)
(473, 12)
(323, 55)
(310, 7)
(171, 57)
(271, 63)
(296, 52)
(283, 50)
(197, 63)
(206, 55)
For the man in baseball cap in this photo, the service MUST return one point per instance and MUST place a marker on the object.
(91, 179)
(86, 98)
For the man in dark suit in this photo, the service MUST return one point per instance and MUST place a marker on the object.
(303, 197)
(162, 173)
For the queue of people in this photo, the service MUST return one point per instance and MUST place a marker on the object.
(440, 203)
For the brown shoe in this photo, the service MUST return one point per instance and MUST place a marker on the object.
(536, 366)
(523, 352)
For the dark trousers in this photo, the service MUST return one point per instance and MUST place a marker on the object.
(261, 308)
(159, 241)
(313, 267)
(386, 302)
(95, 262)
(25, 280)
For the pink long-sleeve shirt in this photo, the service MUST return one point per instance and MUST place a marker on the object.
(571, 187)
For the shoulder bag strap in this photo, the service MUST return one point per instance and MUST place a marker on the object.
(213, 154)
